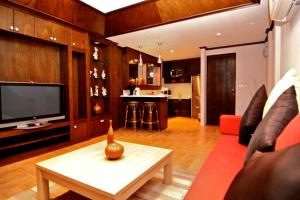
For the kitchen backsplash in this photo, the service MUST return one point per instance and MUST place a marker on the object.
(180, 90)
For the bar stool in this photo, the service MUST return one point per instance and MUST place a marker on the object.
(149, 108)
(132, 110)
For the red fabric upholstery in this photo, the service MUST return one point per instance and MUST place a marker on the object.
(290, 135)
(230, 124)
(218, 171)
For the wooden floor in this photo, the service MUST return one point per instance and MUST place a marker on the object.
(190, 142)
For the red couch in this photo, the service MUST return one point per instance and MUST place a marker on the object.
(227, 158)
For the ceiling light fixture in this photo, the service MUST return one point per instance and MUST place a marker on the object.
(218, 34)
(140, 60)
(171, 51)
(159, 56)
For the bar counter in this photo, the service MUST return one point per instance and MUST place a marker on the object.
(160, 100)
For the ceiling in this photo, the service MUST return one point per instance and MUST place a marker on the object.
(238, 26)
(106, 6)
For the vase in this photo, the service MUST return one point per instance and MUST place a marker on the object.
(97, 109)
(113, 150)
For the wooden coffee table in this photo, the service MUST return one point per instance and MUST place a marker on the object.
(86, 171)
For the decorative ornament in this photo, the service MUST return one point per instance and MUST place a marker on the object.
(91, 91)
(103, 75)
(113, 150)
(95, 72)
(97, 109)
(104, 91)
(96, 93)
(95, 54)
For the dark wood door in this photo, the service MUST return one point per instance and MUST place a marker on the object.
(220, 86)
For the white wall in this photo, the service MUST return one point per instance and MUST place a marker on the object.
(180, 90)
(251, 72)
(290, 57)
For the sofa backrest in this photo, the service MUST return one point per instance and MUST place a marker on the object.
(290, 135)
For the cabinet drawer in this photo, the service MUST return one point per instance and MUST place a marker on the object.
(43, 29)
(79, 131)
(99, 126)
(62, 34)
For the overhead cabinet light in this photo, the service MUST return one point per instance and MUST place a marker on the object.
(282, 10)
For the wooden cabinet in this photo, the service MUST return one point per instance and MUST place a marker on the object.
(180, 71)
(6, 18)
(99, 126)
(79, 131)
(179, 107)
(78, 39)
(16, 21)
(48, 30)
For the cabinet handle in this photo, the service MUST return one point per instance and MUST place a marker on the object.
(17, 29)
(74, 43)
(11, 28)
(75, 126)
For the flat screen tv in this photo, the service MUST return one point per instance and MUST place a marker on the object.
(22, 103)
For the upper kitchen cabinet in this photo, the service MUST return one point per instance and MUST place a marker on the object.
(16, 21)
(79, 39)
(180, 71)
(48, 30)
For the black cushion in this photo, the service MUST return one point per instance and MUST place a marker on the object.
(252, 115)
(269, 176)
(280, 114)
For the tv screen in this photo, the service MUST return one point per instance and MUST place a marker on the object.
(21, 101)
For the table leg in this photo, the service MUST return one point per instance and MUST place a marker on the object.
(168, 173)
(42, 186)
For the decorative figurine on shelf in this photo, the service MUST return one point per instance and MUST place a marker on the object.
(91, 73)
(96, 93)
(95, 54)
(103, 74)
(95, 72)
(91, 91)
(97, 109)
(104, 91)
(113, 150)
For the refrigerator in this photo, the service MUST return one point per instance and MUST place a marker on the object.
(195, 97)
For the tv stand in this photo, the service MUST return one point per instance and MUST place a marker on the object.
(33, 125)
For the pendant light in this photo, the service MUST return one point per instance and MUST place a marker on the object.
(159, 56)
(140, 60)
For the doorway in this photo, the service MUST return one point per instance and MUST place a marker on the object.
(221, 76)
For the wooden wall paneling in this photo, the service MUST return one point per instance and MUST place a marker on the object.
(116, 86)
(78, 39)
(23, 23)
(25, 60)
(65, 77)
(154, 13)
(70, 11)
(6, 16)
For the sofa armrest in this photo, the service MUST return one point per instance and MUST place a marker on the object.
(230, 124)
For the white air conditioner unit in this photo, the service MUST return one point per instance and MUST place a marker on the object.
(283, 10)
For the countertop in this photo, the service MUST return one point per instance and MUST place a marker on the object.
(145, 96)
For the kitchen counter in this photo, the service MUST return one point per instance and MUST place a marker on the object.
(160, 100)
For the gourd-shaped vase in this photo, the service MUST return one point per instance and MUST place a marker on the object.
(113, 150)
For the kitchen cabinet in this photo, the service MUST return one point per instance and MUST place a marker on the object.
(180, 71)
(78, 39)
(179, 107)
(16, 21)
(48, 30)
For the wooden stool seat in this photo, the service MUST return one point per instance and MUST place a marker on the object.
(150, 108)
(132, 110)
